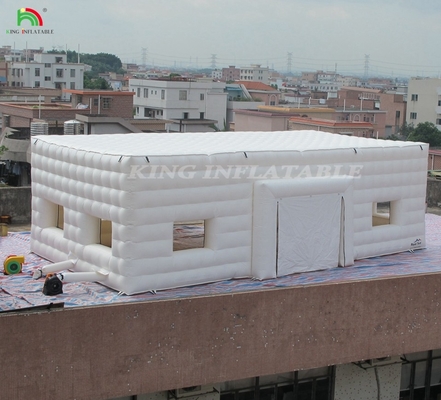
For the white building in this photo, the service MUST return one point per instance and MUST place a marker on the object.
(216, 74)
(193, 106)
(255, 72)
(424, 101)
(48, 71)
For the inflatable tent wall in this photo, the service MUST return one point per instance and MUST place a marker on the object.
(271, 203)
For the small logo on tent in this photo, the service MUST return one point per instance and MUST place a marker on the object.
(30, 15)
(417, 242)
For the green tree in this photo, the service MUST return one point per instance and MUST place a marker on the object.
(3, 149)
(93, 82)
(426, 132)
(403, 132)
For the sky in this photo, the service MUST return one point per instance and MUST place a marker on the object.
(386, 37)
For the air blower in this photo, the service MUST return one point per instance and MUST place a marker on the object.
(13, 264)
(52, 285)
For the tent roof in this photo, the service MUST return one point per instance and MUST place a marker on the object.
(168, 144)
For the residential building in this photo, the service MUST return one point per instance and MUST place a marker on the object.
(360, 129)
(230, 74)
(216, 74)
(107, 103)
(393, 104)
(260, 91)
(255, 72)
(238, 99)
(252, 120)
(424, 101)
(192, 105)
(3, 73)
(48, 71)
(309, 77)
(255, 120)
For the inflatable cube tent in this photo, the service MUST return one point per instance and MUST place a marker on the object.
(269, 204)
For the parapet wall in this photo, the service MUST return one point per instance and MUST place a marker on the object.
(16, 202)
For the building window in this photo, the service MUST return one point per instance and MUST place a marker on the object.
(182, 95)
(438, 121)
(72, 85)
(413, 115)
(37, 71)
(59, 73)
(414, 97)
(146, 92)
(439, 102)
(201, 115)
(186, 115)
(397, 114)
(107, 101)
(58, 60)
(37, 84)
(72, 73)
(202, 96)
(47, 65)
(138, 92)
(95, 102)
(162, 94)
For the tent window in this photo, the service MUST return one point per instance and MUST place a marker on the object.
(106, 233)
(381, 213)
(188, 235)
(60, 217)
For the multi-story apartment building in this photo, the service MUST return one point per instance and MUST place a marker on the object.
(424, 101)
(230, 74)
(48, 71)
(352, 98)
(255, 72)
(192, 105)
(216, 74)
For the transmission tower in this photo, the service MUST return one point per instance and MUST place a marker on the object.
(213, 61)
(366, 67)
(289, 62)
(144, 57)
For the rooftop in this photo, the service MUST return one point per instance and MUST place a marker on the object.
(21, 291)
(201, 144)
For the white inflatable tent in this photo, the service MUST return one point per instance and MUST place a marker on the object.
(270, 203)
